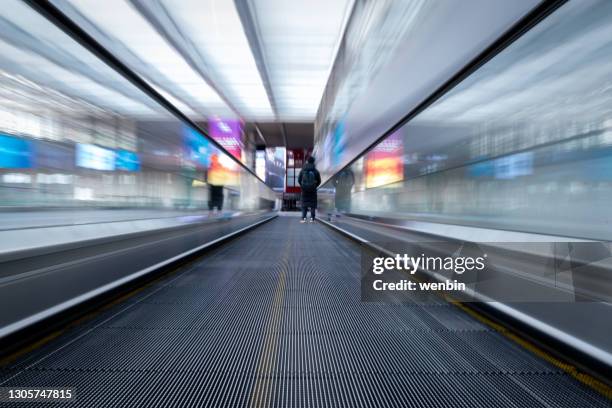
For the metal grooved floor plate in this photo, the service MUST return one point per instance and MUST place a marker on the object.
(274, 319)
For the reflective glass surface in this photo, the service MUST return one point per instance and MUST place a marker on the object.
(524, 143)
(74, 134)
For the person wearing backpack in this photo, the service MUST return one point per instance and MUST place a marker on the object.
(309, 179)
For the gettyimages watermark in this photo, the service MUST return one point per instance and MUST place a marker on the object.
(425, 272)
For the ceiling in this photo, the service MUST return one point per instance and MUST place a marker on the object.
(259, 60)
(291, 135)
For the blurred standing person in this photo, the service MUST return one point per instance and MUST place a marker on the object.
(216, 198)
(344, 182)
(215, 182)
(309, 179)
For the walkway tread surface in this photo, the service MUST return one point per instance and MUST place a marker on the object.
(274, 319)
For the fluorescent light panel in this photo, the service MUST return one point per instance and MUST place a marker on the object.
(215, 28)
(119, 20)
(56, 77)
(51, 75)
(300, 40)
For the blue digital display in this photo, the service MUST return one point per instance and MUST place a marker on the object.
(126, 161)
(15, 153)
(197, 148)
(482, 169)
(94, 157)
(515, 165)
(339, 143)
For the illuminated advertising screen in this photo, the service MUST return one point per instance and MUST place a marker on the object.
(197, 149)
(15, 153)
(228, 133)
(127, 161)
(200, 153)
(223, 170)
(339, 143)
(275, 167)
(383, 164)
(260, 164)
(515, 165)
(94, 157)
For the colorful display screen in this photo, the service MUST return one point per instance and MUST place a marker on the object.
(275, 167)
(198, 149)
(260, 164)
(201, 154)
(339, 143)
(127, 161)
(95, 157)
(383, 164)
(515, 165)
(223, 170)
(228, 133)
(15, 153)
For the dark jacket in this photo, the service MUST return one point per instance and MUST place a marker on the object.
(344, 182)
(309, 198)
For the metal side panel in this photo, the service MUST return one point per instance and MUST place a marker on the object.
(562, 320)
(34, 288)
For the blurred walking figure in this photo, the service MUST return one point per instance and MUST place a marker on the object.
(309, 179)
(215, 178)
(344, 182)
(215, 203)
